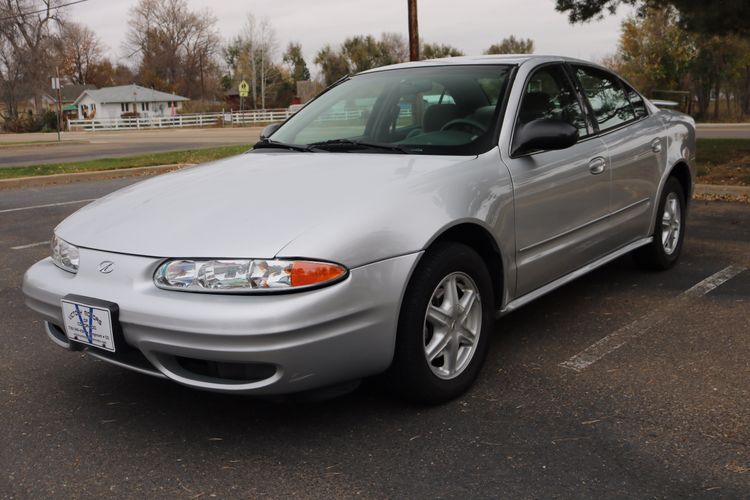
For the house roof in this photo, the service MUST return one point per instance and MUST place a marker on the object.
(71, 92)
(129, 93)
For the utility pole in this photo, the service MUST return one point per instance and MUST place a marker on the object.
(413, 31)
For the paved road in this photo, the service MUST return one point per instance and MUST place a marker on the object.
(82, 146)
(724, 131)
(665, 415)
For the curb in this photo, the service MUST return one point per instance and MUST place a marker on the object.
(711, 192)
(46, 180)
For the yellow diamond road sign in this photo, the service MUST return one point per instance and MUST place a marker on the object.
(244, 89)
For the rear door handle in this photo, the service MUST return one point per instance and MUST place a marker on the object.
(597, 165)
(656, 146)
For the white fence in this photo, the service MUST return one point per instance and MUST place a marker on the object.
(208, 119)
(179, 121)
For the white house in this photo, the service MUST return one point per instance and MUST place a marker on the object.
(114, 102)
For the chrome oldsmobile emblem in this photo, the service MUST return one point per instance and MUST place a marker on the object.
(106, 266)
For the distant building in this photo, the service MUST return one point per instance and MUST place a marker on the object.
(69, 94)
(127, 101)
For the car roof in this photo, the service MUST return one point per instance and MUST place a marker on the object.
(515, 59)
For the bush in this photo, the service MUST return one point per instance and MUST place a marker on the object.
(198, 106)
(25, 123)
(49, 119)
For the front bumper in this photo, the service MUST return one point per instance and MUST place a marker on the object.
(291, 342)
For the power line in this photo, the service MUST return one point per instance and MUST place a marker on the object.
(40, 11)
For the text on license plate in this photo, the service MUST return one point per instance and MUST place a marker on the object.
(90, 325)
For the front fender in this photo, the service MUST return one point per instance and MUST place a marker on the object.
(407, 218)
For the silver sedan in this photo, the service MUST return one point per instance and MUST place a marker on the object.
(378, 232)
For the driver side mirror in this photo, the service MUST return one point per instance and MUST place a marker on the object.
(268, 130)
(544, 134)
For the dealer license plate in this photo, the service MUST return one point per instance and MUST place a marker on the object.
(90, 325)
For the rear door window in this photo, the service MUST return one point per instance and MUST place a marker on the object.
(550, 95)
(607, 97)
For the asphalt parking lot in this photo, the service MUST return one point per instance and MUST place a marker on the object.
(658, 407)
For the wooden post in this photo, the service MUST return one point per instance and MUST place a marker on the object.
(59, 105)
(413, 31)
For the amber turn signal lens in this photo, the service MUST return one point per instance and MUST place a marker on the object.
(305, 273)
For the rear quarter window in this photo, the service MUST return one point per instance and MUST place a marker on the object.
(607, 97)
(636, 100)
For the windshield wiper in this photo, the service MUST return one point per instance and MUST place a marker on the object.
(269, 144)
(349, 144)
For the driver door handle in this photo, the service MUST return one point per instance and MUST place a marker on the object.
(597, 165)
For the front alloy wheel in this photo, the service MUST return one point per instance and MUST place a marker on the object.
(452, 325)
(444, 325)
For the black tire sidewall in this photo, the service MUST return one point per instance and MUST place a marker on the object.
(665, 260)
(410, 369)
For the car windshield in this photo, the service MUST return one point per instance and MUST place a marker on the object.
(429, 110)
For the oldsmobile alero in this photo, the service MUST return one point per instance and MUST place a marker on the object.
(378, 231)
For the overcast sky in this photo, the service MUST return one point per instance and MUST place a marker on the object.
(470, 25)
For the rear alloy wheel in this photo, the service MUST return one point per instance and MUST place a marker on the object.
(664, 251)
(444, 326)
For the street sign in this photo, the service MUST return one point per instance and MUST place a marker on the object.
(244, 89)
(55, 83)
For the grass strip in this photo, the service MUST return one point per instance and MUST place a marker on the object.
(149, 160)
(720, 161)
(724, 161)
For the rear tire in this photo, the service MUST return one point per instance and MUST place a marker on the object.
(447, 316)
(669, 231)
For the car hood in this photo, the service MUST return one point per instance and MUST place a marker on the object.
(251, 205)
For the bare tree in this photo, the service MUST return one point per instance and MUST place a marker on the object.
(79, 52)
(176, 46)
(12, 77)
(262, 45)
(27, 37)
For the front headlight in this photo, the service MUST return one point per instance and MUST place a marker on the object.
(245, 275)
(64, 255)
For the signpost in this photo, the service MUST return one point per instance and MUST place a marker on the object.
(56, 86)
(244, 92)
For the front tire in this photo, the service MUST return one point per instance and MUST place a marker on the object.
(444, 325)
(664, 251)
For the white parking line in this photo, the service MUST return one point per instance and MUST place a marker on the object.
(714, 281)
(615, 340)
(30, 245)
(47, 205)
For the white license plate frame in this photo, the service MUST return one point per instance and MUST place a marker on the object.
(89, 322)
